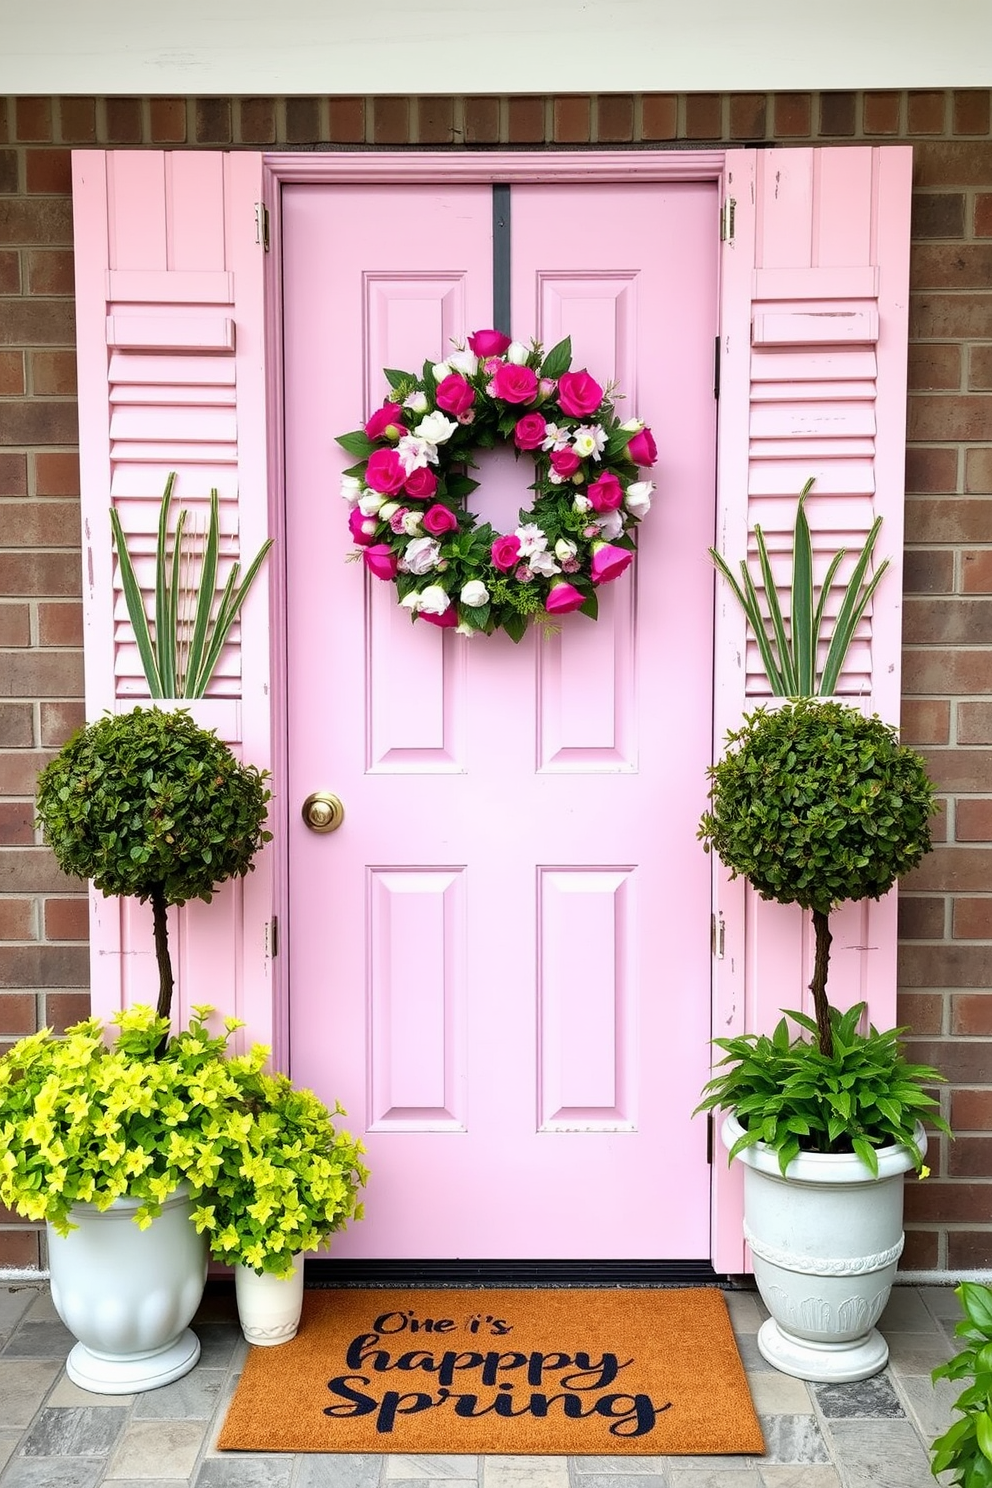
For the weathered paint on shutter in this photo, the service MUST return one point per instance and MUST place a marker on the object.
(169, 283)
(813, 353)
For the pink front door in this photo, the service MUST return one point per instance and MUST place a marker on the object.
(500, 963)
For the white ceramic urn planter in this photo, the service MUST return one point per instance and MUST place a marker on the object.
(128, 1294)
(269, 1307)
(825, 1242)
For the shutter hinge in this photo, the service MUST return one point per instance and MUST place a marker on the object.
(262, 225)
(274, 937)
(718, 936)
(716, 367)
(727, 213)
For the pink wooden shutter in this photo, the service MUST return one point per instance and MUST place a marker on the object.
(169, 282)
(813, 354)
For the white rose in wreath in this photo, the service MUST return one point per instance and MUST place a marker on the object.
(474, 594)
(422, 555)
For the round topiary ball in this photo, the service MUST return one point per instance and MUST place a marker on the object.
(815, 804)
(148, 803)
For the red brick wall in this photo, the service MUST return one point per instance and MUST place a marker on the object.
(946, 909)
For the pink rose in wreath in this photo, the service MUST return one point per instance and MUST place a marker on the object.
(384, 472)
(381, 561)
(565, 462)
(609, 562)
(605, 494)
(529, 431)
(488, 343)
(562, 599)
(386, 422)
(515, 384)
(455, 395)
(420, 483)
(642, 448)
(450, 617)
(440, 519)
(505, 552)
(579, 394)
(362, 528)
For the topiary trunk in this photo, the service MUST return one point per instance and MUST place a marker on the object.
(166, 982)
(818, 986)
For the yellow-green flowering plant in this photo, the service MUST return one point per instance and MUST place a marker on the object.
(288, 1178)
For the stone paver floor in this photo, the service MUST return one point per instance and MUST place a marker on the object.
(54, 1435)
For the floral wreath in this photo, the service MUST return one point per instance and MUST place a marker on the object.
(407, 490)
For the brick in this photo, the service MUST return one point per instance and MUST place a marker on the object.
(969, 1250)
(920, 918)
(880, 113)
(971, 1013)
(67, 919)
(12, 383)
(48, 172)
(972, 919)
(928, 571)
(36, 323)
(971, 1157)
(39, 574)
(60, 624)
(971, 1110)
(10, 272)
(212, 118)
(18, 1014)
(946, 163)
(614, 118)
(948, 1203)
(572, 120)
(838, 114)
(56, 474)
(16, 725)
(390, 121)
(436, 121)
(77, 121)
(952, 870)
(974, 723)
(793, 115)
(933, 365)
(748, 116)
(123, 121)
(63, 1009)
(303, 125)
(15, 624)
(10, 181)
(703, 116)
(959, 418)
(936, 317)
(921, 1251)
(938, 214)
(970, 111)
(167, 121)
(951, 266)
(17, 823)
(39, 524)
(37, 219)
(20, 1249)
(59, 721)
(40, 421)
(976, 571)
(978, 475)
(53, 373)
(945, 966)
(347, 120)
(980, 368)
(944, 673)
(258, 121)
(926, 721)
(525, 121)
(19, 771)
(13, 474)
(931, 470)
(920, 1011)
(925, 112)
(965, 770)
(44, 966)
(973, 821)
(17, 919)
(659, 116)
(50, 271)
(42, 674)
(481, 120)
(32, 118)
(949, 622)
(32, 870)
(983, 215)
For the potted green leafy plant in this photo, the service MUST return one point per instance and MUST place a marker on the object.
(964, 1450)
(151, 806)
(815, 805)
(287, 1181)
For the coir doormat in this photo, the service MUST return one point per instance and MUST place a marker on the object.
(562, 1372)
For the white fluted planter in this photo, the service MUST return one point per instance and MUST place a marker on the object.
(825, 1240)
(269, 1307)
(128, 1295)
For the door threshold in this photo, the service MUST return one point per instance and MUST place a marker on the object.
(491, 1273)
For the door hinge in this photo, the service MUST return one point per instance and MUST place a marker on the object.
(716, 367)
(727, 213)
(262, 225)
(274, 937)
(718, 936)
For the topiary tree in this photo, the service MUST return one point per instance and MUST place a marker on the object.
(814, 805)
(150, 806)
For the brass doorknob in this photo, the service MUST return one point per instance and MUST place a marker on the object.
(323, 812)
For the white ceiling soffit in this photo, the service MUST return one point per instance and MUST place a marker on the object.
(489, 46)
